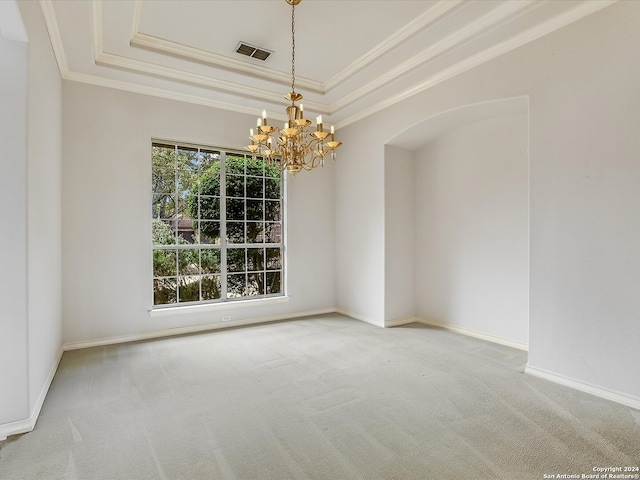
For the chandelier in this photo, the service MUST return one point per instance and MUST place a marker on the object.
(294, 147)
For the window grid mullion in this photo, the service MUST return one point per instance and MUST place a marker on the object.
(224, 244)
(175, 213)
(223, 226)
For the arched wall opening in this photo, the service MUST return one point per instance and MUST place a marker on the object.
(457, 221)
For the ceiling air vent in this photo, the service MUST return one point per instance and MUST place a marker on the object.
(253, 51)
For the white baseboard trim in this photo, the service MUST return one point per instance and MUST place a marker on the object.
(16, 428)
(607, 394)
(473, 333)
(100, 342)
(362, 318)
(399, 322)
(28, 424)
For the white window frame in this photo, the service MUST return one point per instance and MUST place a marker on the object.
(224, 246)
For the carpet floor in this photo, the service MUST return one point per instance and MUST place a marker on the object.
(323, 398)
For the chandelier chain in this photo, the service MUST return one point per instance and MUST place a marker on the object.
(293, 47)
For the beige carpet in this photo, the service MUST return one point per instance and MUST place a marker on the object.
(317, 398)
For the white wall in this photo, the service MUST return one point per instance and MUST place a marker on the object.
(585, 204)
(14, 379)
(44, 216)
(584, 198)
(107, 269)
(471, 227)
(399, 259)
(360, 253)
(30, 242)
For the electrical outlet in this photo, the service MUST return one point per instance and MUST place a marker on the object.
(226, 318)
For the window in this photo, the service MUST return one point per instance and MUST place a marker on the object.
(216, 226)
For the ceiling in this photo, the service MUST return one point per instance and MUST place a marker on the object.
(352, 58)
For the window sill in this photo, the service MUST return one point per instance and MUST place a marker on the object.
(210, 307)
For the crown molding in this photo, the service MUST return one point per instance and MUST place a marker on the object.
(580, 11)
(109, 60)
(96, 28)
(54, 35)
(148, 42)
(166, 94)
(485, 22)
(420, 23)
(137, 15)
(146, 68)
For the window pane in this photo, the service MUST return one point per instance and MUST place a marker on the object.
(186, 181)
(234, 164)
(164, 291)
(272, 210)
(255, 284)
(209, 233)
(273, 233)
(236, 285)
(255, 232)
(255, 259)
(255, 187)
(181, 209)
(210, 261)
(209, 208)
(209, 181)
(274, 259)
(235, 260)
(162, 233)
(255, 167)
(235, 209)
(235, 232)
(163, 206)
(185, 229)
(188, 262)
(187, 159)
(163, 157)
(272, 188)
(163, 180)
(273, 282)
(164, 263)
(189, 290)
(211, 289)
(209, 158)
(255, 210)
(235, 186)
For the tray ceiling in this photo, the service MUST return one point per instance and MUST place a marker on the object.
(353, 58)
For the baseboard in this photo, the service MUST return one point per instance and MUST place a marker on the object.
(362, 318)
(617, 397)
(473, 333)
(28, 424)
(100, 342)
(399, 322)
(16, 428)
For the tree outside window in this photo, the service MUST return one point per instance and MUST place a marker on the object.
(217, 226)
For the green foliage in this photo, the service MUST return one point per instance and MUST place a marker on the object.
(164, 261)
(253, 190)
(206, 191)
(162, 233)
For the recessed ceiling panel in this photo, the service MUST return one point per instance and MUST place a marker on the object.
(353, 57)
(330, 35)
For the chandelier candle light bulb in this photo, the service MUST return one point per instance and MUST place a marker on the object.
(296, 148)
